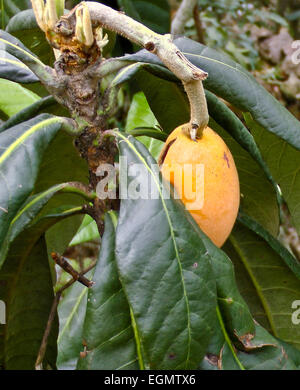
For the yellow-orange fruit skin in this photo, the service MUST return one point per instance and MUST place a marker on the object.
(216, 210)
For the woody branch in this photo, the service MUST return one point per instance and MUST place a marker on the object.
(99, 15)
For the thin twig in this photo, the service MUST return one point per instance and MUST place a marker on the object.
(72, 281)
(43, 347)
(63, 263)
(198, 25)
(184, 13)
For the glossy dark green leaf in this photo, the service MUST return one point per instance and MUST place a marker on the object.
(15, 47)
(26, 288)
(24, 27)
(155, 14)
(233, 83)
(158, 252)
(19, 257)
(284, 163)
(263, 353)
(232, 342)
(234, 311)
(22, 148)
(268, 356)
(25, 216)
(266, 283)
(260, 351)
(109, 338)
(50, 171)
(13, 69)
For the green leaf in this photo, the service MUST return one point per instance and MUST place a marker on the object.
(233, 83)
(173, 330)
(59, 236)
(11, 68)
(266, 283)
(109, 339)
(71, 312)
(12, 7)
(235, 313)
(21, 248)
(60, 7)
(260, 351)
(140, 115)
(15, 47)
(88, 231)
(286, 256)
(283, 161)
(24, 27)
(22, 148)
(52, 171)
(149, 132)
(14, 98)
(26, 288)
(155, 14)
(27, 213)
(268, 356)
(45, 105)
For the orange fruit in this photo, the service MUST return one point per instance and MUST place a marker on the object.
(205, 178)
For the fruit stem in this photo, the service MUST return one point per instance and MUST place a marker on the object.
(199, 111)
